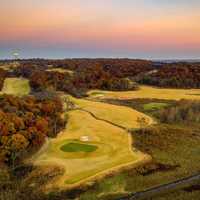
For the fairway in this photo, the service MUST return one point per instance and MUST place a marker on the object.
(147, 92)
(109, 147)
(154, 106)
(120, 115)
(16, 86)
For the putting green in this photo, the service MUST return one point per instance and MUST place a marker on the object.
(78, 147)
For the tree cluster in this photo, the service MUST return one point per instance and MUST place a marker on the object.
(185, 111)
(177, 75)
(106, 74)
(26, 122)
(3, 75)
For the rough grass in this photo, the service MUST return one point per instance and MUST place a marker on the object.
(77, 147)
(114, 144)
(153, 93)
(170, 145)
(16, 86)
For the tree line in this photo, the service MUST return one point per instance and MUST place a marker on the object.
(177, 75)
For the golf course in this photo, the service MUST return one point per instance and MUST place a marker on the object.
(108, 145)
(107, 148)
(96, 140)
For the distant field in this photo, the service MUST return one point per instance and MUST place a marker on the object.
(16, 86)
(61, 70)
(151, 92)
(10, 66)
(6, 68)
(109, 147)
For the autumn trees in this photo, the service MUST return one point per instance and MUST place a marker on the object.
(107, 74)
(184, 111)
(25, 123)
(176, 75)
(3, 74)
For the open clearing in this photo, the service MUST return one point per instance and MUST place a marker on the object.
(16, 86)
(150, 92)
(110, 147)
(61, 70)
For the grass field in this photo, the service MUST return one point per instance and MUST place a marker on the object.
(16, 86)
(9, 67)
(4, 67)
(151, 92)
(109, 148)
(121, 115)
(61, 70)
(154, 106)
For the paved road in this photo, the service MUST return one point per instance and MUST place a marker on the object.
(166, 188)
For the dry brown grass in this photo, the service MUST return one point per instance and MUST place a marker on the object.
(146, 92)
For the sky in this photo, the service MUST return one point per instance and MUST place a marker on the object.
(149, 29)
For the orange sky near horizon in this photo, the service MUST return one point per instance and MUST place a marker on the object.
(92, 25)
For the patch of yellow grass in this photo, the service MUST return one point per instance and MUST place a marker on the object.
(121, 115)
(114, 144)
(9, 67)
(151, 92)
(6, 68)
(16, 86)
(61, 70)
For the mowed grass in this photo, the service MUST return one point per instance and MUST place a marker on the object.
(16, 86)
(154, 106)
(77, 147)
(120, 115)
(146, 92)
(114, 144)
